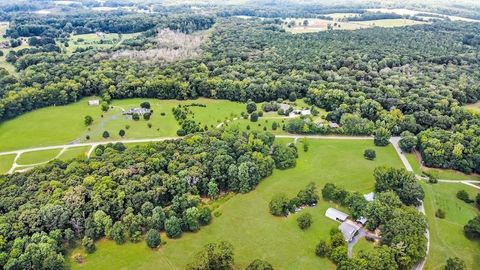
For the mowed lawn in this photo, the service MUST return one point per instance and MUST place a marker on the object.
(446, 235)
(6, 163)
(246, 222)
(75, 152)
(57, 125)
(35, 157)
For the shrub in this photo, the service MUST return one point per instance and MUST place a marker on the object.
(251, 106)
(105, 134)
(147, 116)
(369, 154)
(440, 213)
(145, 105)
(463, 195)
(323, 249)
(274, 126)
(259, 265)
(88, 244)
(136, 117)
(279, 205)
(304, 221)
(455, 263)
(121, 133)
(254, 117)
(172, 227)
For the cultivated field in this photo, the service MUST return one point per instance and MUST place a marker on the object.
(446, 235)
(247, 224)
(318, 25)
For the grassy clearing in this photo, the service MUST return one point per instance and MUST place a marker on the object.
(362, 245)
(71, 153)
(474, 107)
(439, 173)
(446, 235)
(6, 163)
(3, 62)
(37, 157)
(58, 125)
(318, 25)
(97, 40)
(3, 29)
(247, 224)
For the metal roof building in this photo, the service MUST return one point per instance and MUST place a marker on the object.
(336, 215)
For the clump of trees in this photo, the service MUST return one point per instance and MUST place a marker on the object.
(124, 193)
(280, 205)
(214, 256)
(472, 228)
(304, 221)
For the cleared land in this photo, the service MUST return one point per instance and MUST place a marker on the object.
(6, 163)
(446, 235)
(58, 125)
(71, 153)
(37, 157)
(245, 218)
(318, 25)
(474, 107)
(97, 40)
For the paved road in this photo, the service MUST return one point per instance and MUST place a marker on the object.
(394, 141)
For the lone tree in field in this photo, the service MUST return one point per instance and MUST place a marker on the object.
(304, 221)
(259, 265)
(147, 116)
(254, 117)
(121, 133)
(370, 154)
(105, 134)
(88, 120)
(251, 106)
(214, 256)
(145, 105)
(153, 238)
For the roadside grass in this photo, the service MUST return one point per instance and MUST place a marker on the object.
(75, 152)
(246, 222)
(446, 235)
(439, 173)
(29, 158)
(6, 163)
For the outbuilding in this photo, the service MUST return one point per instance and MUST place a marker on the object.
(336, 215)
(94, 102)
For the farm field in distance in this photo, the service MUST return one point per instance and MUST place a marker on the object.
(318, 25)
(474, 107)
(446, 235)
(97, 40)
(245, 218)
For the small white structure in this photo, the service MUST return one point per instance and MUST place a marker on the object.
(302, 112)
(348, 230)
(362, 220)
(284, 107)
(333, 125)
(369, 196)
(94, 102)
(336, 215)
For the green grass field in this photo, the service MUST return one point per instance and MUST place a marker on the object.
(58, 125)
(75, 152)
(439, 173)
(247, 224)
(446, 235)
(6, 163)
(29, 158)
(100, 41)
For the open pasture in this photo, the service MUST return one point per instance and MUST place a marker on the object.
(446, 235)
(245, 218)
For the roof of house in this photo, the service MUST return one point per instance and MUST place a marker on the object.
(369, 196)
(94, 102)
(284, 106)
(348, 230)
(335, 214)
(362, 220)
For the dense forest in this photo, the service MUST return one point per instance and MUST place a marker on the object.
(123, 193)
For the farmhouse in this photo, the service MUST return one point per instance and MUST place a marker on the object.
(94, 102)
(336, 215)
(139, 111)
(348, 229)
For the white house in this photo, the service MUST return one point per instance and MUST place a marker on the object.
(94, 102)
(336, 215)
